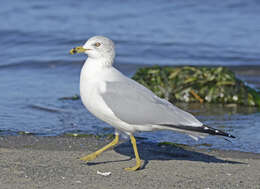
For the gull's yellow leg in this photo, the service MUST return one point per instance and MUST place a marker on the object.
(137, 158)
(93, 155)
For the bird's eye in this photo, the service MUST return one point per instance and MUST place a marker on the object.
(97, 44)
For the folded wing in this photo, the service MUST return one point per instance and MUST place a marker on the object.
(135, 104)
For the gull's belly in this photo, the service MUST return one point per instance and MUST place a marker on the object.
(93, 101)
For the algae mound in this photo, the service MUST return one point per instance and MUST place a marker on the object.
(193, 84)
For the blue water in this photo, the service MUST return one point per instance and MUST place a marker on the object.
(36, 68)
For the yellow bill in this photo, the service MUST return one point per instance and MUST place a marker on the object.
(79, 49)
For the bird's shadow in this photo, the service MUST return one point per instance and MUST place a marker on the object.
(152, 151)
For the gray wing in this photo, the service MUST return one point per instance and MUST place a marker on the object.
(135, 104)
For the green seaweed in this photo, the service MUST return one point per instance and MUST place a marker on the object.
(204, 144)
(197, 84)
(85, 135)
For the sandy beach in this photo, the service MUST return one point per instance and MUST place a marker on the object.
(52, 162)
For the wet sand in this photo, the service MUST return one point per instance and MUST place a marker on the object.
(52, 162)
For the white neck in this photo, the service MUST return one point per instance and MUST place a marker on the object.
(101, 61)
(93, 66)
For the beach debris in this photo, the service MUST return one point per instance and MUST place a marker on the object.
(197, 84)
(79, 135)
(24, 133)
(75, 97)
(105, 174)
(46, 108)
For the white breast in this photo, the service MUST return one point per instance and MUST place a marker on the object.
(92, 84)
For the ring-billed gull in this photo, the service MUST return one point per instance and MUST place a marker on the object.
(125, 104)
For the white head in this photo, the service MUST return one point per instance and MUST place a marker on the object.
(98, 47)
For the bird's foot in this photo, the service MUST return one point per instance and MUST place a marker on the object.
(89, 157)
(136, 167)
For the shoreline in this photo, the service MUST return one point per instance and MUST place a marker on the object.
(52, 162)
(94, 142)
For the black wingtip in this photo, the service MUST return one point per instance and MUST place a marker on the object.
(201, 129)
(214, 131)
(231, 136)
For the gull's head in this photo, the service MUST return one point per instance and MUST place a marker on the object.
(97, 47)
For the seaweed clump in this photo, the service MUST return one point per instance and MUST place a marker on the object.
(193, 84)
